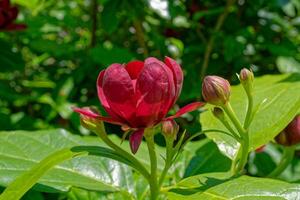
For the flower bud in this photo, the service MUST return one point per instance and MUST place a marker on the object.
(170, 129)
(218, 113)
(291, 134)
(215, 90)
(260, 149)
(247, 78)
(89, 118)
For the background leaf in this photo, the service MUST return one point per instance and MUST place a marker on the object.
(207, 159)
(91, 173)
(219, 186)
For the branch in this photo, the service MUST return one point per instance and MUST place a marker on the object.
(94, 11)
(140, 36)
(211, 41)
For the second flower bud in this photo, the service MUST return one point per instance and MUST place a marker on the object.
(216, 90)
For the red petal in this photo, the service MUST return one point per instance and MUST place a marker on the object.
(188, 108)
(135, 140)
(134, 68)
(119, 92)
(177, 74)
(16, 27)
(88, 112)
(5, 4)
(2, 19)
(103, 99)
(154, 90)
(13, 13)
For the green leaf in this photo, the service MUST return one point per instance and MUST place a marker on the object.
(80, 194)
(21, 150)
(281, 97)
(23, 183)
(218, 186)
(207, 159)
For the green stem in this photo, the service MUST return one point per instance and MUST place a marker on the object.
(168, 162)
(249, 112)
(232, 116)
(211, 41)
(152, 154)
(27, 180)
(100, 131)
(244, 149)
(286, 158)
(229, 128)
(244, 154)
(163, 174)
(137, 23)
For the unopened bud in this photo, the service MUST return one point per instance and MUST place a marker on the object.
(170, 129)
(291, 134)
(218, 113)
(247, 78)
(216, 90)
(88, 123)
(260, 149)
(88, 118)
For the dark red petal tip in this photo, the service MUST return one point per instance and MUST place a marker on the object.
(188, 108)
(88, 112)
(135, 140)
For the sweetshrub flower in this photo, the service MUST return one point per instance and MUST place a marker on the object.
(216, 90)
(291, 134)
(8, 15)
(138, 95)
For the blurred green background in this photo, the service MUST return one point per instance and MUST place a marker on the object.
(53, 64)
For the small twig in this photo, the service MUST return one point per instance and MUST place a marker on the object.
(140, 36)
(94, 11)
(201, 35)
(211, 41)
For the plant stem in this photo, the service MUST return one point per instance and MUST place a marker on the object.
(286, 158)
(249, 111)
(94, 11)
(232, 116)
(244, 149)
(163, 174)
(100, 131)
(152, 155)
(211, 41)
(140, 36)
(168, 162)
(244, 154)
(229, 128)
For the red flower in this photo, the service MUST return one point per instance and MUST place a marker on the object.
(291, 134)
(8, 15)
(139, 94)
